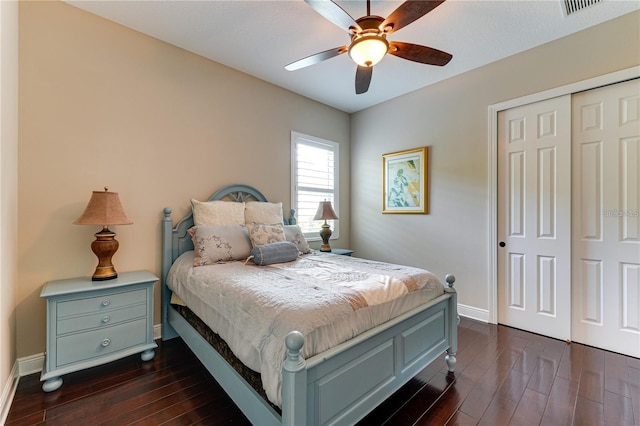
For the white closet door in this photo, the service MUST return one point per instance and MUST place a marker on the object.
(606, 221)
(534, 217)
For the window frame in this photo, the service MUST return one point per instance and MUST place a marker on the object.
(301, 138)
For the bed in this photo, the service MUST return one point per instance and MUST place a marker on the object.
(337, 385)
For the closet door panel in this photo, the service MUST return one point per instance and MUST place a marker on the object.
(606, 220)
(534, 216)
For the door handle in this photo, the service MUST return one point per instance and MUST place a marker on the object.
(502, 244)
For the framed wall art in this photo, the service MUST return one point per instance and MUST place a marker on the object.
(404, 182)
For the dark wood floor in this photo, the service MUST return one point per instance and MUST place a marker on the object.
(504, 376)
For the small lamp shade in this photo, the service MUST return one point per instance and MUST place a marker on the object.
(325, 211)
(104, 209)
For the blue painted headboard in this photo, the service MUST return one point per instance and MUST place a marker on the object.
(176, 241)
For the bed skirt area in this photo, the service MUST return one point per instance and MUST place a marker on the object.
(250, 376)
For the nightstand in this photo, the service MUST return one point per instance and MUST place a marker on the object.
(94, 322)
(344, 252)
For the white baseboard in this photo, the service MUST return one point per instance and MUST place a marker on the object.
(473, 313)
(22, 367)
(30, 364)
(8, 392)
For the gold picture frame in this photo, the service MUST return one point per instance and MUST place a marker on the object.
(404, 182)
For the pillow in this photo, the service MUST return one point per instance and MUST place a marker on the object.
(262, 212)
(261, 233)
(294, 234)
(266, 254)
(213, 213)
(215, 244)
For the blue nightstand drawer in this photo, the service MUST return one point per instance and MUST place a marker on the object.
(101, 303)
(92, 344)
(102, 319)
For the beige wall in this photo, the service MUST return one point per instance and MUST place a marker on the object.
(451, 118)
(103, 105)
(8, 189)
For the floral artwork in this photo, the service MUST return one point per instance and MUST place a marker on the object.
(405, 181)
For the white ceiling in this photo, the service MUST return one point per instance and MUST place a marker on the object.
(261, 37)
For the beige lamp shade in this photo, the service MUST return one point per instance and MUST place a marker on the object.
(325, 211)
(104, 209)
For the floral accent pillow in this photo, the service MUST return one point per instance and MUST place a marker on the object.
(294, 234)
(217, 244)
(262, 233)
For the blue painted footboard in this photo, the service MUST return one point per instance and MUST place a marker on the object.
(343, 384)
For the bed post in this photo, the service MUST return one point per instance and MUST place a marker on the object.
(450, 359)
(294, 382)
(167, 259)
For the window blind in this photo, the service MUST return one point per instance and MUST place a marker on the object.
(315, 180)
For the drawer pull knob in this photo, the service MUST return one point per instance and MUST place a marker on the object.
(106, 342)
(106, 302)
(106, 319)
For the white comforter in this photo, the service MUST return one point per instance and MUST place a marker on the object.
(329, 298)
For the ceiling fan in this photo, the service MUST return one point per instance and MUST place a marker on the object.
(369, 42)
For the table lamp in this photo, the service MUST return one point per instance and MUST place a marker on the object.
(325, 211)
(104, 209)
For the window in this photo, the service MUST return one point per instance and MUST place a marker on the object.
(314, 178)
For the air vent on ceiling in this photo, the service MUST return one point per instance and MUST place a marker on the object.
(573, 6)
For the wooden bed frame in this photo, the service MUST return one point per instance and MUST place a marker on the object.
(338, 386)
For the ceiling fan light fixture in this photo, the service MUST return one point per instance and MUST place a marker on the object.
(368, 50)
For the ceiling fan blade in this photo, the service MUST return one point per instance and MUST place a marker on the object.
(363, 79)
(333, 13)
(417, 53)
(314, 59)
(408, 12)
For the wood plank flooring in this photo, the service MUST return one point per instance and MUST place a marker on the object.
(504, 376)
